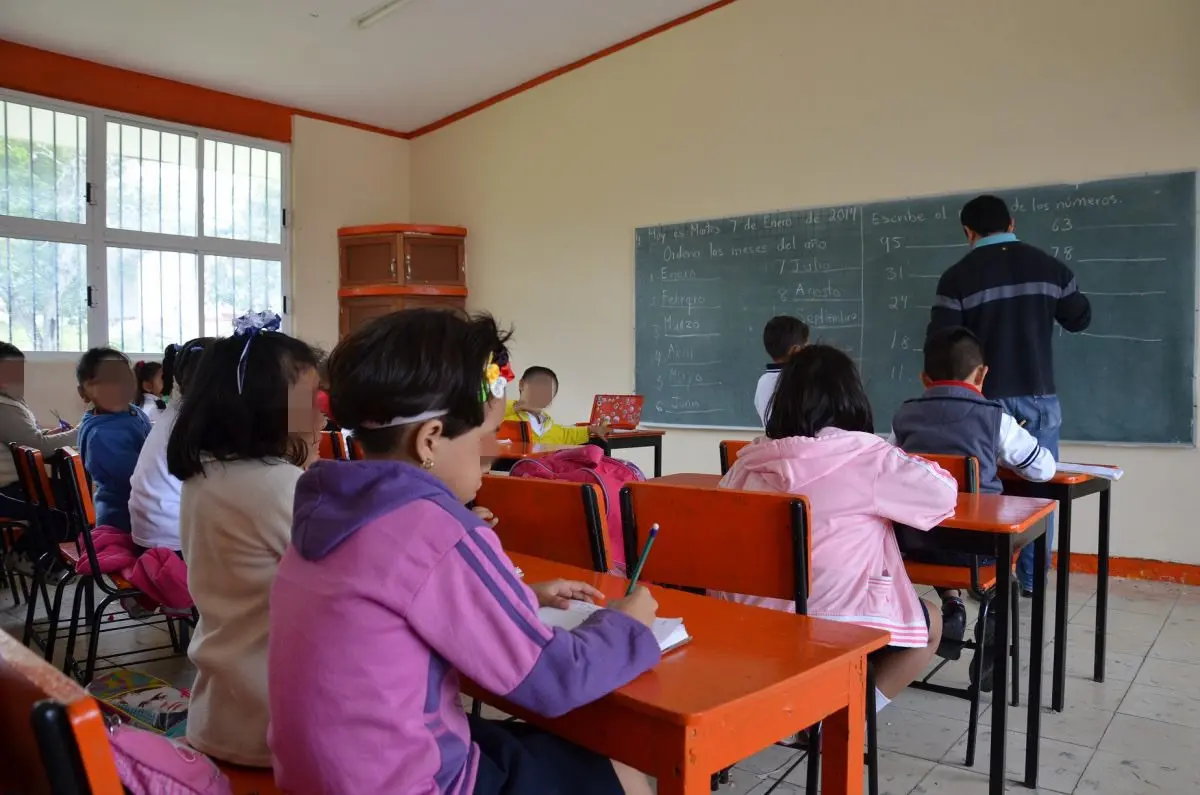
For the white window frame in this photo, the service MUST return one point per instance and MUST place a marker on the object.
(96, 235)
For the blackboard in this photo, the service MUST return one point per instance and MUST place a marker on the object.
(863, 276)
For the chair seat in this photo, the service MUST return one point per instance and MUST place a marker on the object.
(949, 576)
(249, 781)
(70, 554)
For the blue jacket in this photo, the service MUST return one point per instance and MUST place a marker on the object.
(110, 444)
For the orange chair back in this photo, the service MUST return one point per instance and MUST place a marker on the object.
(354, 451)
(550, 519)
(55, 738)
(515, 431)
(333, 446)
(25, 473)
(729, 453)
(81, 489)
(325, 446)
(748, 542)
(964, 469)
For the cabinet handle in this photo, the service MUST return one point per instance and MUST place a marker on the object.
(392, 268)
(408, 267)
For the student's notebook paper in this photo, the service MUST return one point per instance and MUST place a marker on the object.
(1095, 470)
(669, 632)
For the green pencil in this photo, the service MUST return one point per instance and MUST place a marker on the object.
(637, 570)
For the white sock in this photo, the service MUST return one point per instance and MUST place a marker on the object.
(881, 700)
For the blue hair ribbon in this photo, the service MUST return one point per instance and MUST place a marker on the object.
(250, 325)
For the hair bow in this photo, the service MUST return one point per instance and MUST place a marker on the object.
(249, 326)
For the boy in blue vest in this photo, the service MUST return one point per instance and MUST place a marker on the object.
(954, 418)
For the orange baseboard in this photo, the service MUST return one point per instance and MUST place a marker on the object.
(1137, 568)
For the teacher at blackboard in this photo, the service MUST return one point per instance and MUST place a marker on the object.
(1010, 294)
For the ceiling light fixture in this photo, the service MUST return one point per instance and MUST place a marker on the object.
(373, 16)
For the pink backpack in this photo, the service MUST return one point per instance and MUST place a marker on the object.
(150, 764)
(589, 464)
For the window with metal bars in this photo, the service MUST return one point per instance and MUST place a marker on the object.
(170, 234)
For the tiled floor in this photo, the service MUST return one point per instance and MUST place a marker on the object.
(1138, 732)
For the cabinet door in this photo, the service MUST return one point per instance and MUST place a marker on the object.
(356, 312)
(369, 259)
(434, 259)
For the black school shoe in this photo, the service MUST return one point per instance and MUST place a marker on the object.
(954, 627)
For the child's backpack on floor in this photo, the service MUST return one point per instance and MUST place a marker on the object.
(589, 464)
(150, 764)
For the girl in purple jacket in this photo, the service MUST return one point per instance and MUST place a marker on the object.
(391, 588)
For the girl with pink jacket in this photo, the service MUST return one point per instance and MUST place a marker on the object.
(820, 443)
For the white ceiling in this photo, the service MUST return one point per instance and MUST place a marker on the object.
(423, 62)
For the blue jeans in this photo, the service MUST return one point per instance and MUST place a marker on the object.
(1042, 415)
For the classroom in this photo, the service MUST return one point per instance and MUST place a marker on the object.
(597, 172)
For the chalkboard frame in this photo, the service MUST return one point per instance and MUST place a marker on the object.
(1190, 443)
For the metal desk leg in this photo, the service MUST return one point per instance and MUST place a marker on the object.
(658, 456)
(1000, 654)
(1061, 608)
(1102, 583)
(1037, 645)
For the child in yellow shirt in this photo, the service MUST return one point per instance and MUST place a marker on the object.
(538, 387)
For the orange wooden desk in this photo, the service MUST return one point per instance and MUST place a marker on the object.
(515, 451)
(1066, 487)
(748, 677)
(993, 525)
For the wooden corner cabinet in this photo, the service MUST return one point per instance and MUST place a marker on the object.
(387, 267)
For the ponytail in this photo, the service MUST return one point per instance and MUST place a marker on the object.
(143, 372)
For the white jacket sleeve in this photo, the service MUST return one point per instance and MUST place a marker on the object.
(1019, 451)
(914, 491)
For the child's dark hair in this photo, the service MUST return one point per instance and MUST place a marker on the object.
(219, 421)
(782, 333)
(537, 371)
(180, 361)
(10, 351)
(985, 215)
(819, 388)
(143, 372)
(409, 362)
(952, 354)
(89, 364)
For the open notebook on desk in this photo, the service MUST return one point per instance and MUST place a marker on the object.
(1095, 470)
(669, 632)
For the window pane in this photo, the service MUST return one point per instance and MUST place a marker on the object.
(151, 180)
(151, 299)
(234, 286)
(43, 166)
(243, 192)
(43, 294)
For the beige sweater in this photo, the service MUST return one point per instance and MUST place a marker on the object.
(17, 424)
(235, 523)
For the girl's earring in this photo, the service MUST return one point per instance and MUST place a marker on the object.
(427, 464)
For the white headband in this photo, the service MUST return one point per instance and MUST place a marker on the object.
(396, 421)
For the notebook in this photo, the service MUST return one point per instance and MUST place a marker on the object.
(622, 411)
(1095, 470)
(669, 632)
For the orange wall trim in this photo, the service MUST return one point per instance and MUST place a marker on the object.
(1138, 568)
(63, 77)
(571, 67)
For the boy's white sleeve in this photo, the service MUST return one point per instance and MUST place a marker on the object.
(1019, 451)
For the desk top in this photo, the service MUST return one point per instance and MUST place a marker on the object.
(991, 513)
(513, 450)
(1060, 478)
(629, 433)
(735, 651)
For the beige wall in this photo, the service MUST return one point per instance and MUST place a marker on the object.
(786, 103)
(341, 176)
